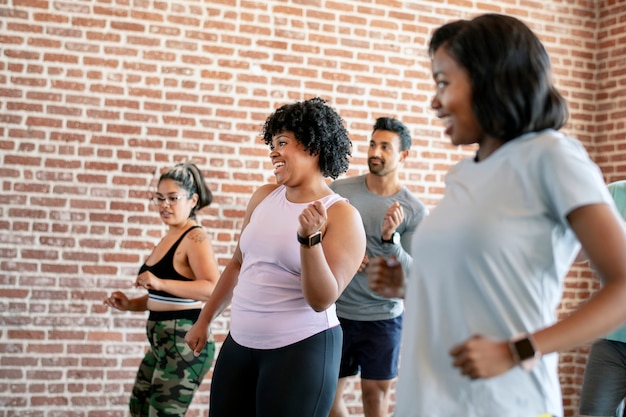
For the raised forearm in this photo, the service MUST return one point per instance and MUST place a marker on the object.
(319, 286)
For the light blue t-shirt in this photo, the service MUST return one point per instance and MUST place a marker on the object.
(491, 259)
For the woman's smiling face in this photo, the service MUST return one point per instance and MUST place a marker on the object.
(453, 99)
(291, 162)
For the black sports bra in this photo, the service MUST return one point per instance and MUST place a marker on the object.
(164, 269)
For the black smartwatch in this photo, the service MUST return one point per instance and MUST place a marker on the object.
(312, 240)
(525, 352)
(395, 239)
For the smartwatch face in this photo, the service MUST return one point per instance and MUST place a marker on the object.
(312, 240)
(315, 239)
(525, 349)
(395, 239)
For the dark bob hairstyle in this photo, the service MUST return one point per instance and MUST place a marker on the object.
(510, 74)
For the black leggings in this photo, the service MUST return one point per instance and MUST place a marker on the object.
(295, 380)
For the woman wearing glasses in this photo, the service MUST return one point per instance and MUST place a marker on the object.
(180, 275)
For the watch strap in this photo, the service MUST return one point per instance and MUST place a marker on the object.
(395, 239)
(311, 240)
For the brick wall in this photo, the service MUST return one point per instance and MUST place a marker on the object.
(98, 96)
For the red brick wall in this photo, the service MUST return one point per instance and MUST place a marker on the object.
(98, 96)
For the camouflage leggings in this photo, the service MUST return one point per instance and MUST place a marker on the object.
(169, 374)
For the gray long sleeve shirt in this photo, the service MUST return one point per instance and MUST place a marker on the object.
(358, 302)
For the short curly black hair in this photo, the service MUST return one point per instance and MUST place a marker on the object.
(319, 128)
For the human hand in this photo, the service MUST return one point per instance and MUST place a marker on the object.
(312, 219)
(481, 357)
(197, 337)
(117, 300)
(393, 218)
(364, 263)
(148, 281)
(385, 277)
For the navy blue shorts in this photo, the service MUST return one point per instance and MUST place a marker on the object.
(371, 347)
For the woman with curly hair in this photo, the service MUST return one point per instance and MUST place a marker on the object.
(299, 247)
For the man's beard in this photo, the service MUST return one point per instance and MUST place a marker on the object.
(376, 169)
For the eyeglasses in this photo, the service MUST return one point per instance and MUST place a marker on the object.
(170, 199)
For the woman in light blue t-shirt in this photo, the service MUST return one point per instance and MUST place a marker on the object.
(481, 333)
